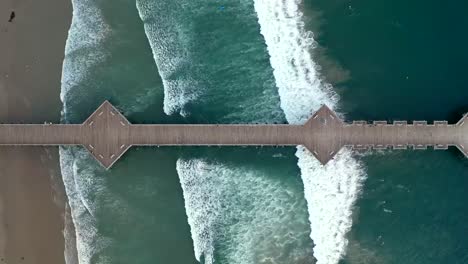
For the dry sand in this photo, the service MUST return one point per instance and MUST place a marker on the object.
(32, 204)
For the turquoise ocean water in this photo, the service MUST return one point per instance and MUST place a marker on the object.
(266, 61)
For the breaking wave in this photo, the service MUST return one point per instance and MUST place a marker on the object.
(78, 179)
(290, 47)
(92, 72)
(330, 190)
(169, 37)
(87, 33)
(83, 51)
(240, 215)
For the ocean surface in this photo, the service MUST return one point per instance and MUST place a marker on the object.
(267, 61)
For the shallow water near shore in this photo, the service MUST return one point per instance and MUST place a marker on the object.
(224, 62)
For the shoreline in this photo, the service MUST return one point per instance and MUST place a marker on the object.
(32, 197)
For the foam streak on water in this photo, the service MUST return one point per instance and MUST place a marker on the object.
(330, 190)
(77, 185)
(169, 38)
(242, 216)
(87, 32)
(290, 47)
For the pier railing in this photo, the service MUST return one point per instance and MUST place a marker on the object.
(107, 135)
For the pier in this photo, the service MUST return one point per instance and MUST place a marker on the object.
(107, 135)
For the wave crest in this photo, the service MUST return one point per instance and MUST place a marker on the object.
(330, 190)
(243, 214)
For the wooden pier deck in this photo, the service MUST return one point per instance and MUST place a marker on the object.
(108, 135)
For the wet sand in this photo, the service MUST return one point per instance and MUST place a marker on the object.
(32, 200)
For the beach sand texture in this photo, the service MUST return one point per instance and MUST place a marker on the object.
(31, 193)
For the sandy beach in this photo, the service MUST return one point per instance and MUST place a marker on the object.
(32, 200)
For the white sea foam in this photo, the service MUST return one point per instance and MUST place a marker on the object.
(87, 49)
(243, 214)
(87, 34)
(167, 40)
(330, 190)
(78, 180)
(290, 47)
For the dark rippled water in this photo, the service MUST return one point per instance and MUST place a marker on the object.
(406, 61)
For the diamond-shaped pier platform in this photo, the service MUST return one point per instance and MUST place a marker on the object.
(322, 134)
(106, 134)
